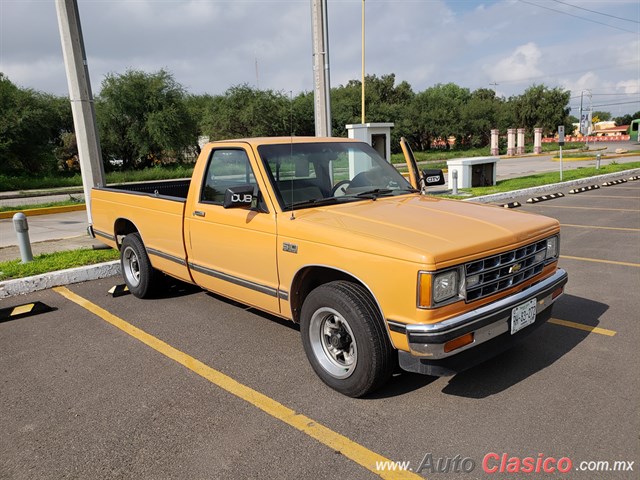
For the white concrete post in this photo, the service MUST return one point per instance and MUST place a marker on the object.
(322, 87)
(511, 141)
(537, 140)
(520, 147)
(82, 108)
(495, 148)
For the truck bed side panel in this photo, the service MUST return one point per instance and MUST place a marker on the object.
(159, 221)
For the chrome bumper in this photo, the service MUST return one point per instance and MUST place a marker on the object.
(486, 322)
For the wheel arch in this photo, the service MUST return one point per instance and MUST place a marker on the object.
(123, 227)
(310, 277)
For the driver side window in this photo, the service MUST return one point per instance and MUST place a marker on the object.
(227, 168)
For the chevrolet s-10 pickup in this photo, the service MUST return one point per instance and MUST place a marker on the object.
(326, 233)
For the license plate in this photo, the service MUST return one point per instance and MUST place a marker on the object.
(523, 315)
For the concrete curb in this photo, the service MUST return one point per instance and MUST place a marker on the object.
(553, 187)
(21, 286)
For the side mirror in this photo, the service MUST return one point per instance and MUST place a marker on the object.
(238, 197)
(432, 177)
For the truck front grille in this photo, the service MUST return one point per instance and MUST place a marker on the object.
(499, 272)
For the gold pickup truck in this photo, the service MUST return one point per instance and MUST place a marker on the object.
(326, 233)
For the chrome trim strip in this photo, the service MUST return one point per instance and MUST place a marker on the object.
(272, 292)
(103, 234)
(282, 295)
(557, 279)
(166, 256)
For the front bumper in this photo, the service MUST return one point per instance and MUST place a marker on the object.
(490, 325)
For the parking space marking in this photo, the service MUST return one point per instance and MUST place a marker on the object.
(582, 326)
(600, 228)
(597, 260)
(588, 208)
(335, 441)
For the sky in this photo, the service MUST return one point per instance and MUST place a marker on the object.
(590, 47)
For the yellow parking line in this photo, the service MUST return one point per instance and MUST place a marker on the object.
(600, 228)
(582, 326)
(589, 208)
(335, 441)
(597, 260)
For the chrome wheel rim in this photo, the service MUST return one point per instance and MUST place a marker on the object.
(131, 266)
(333, 342)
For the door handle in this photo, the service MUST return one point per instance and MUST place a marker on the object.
(199, 213)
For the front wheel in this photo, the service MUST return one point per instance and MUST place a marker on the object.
(345, 340)
(139, 275)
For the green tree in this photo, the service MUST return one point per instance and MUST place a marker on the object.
(479, 115)
(541, 106)
(384, 102)
(626, 119)
(244, 111)
(143, 119)
(602, 116)
(437, 112)
(30, 127)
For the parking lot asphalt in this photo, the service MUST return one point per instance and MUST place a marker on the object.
(191, 385)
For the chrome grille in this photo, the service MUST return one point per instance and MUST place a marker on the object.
(499, 272)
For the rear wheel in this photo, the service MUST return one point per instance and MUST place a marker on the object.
(139, 275)
(345, 340)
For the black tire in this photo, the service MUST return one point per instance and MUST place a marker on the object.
(345, 340)
(138, 273)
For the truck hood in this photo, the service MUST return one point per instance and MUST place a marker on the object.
(431, 231)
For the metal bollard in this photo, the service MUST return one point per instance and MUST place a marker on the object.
(598, 157)
(22, 231)
(454, 178)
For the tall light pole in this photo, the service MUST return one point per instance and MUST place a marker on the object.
(82, 108)
(322, 87)
(363, 75)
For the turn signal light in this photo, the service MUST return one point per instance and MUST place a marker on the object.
(557, 293)
(459, 342)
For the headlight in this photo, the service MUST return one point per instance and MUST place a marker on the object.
(445, 285)
(435, 288)
(553, 244)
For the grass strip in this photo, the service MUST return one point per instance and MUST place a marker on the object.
(50, 262)
(541, 179)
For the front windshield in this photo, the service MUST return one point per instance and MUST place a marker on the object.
(312, 174)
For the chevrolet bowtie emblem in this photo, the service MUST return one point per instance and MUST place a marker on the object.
(515, 268)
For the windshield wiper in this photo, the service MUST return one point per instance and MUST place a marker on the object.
(375, 193)
(315, 202)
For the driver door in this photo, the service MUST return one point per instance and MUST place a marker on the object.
(232, 251)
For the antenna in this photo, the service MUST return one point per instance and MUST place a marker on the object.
(257, 77)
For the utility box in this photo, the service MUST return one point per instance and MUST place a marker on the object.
(378, 135)
(473, 171)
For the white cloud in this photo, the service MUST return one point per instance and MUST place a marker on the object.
(629, 86)
(519, 65)
(211, 45)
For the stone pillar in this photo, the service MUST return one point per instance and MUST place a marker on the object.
(520, 148)
(511, 141)
(495, 149)
(537, 140)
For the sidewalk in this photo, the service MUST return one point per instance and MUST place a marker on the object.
(49, 246)
(47, 233)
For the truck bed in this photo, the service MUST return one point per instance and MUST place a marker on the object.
(173, 189)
